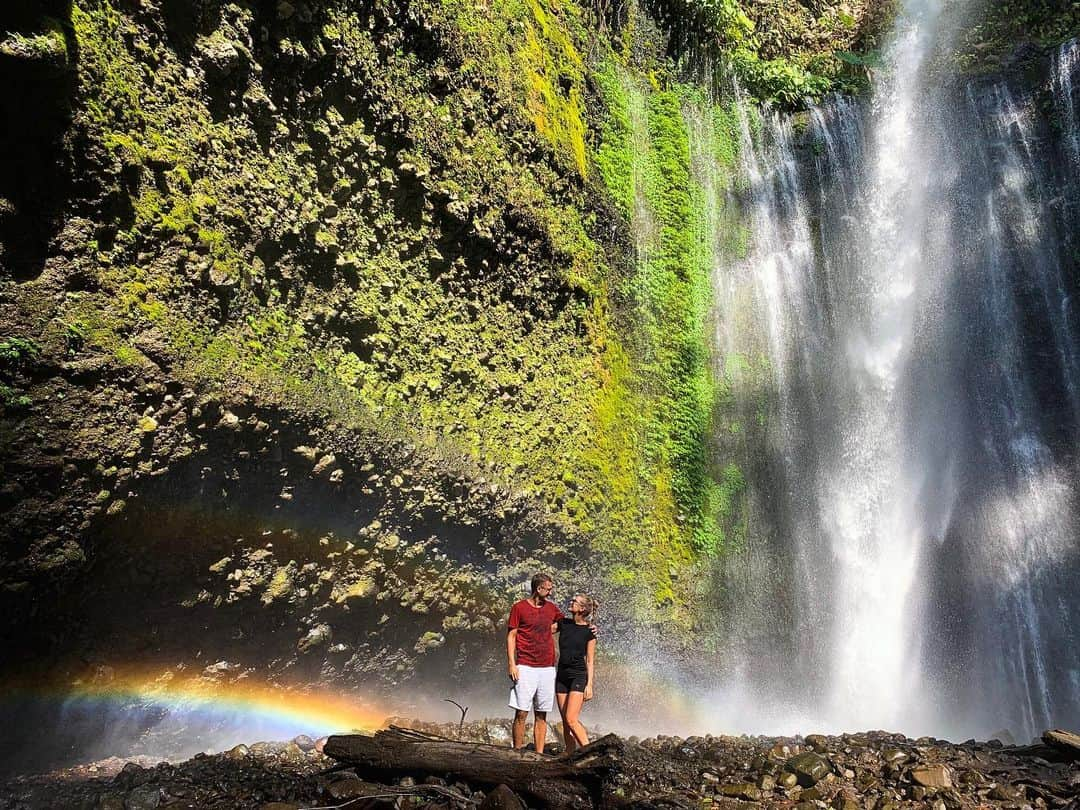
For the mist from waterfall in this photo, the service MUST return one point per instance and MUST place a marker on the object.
(912, 269)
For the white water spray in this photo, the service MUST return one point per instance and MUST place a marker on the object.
(913, 279)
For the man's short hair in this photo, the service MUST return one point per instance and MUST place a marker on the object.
(540, 579)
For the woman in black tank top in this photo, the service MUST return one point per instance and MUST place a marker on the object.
(574, 675)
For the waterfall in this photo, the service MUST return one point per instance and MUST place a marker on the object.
(911, 272)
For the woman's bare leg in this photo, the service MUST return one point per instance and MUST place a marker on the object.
(574, 700)
(568, 738)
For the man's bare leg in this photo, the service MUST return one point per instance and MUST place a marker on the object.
(519, 728)
(539, 731)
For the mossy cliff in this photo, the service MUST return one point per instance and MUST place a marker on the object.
(353, 314)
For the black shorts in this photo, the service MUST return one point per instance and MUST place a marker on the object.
(566, 680)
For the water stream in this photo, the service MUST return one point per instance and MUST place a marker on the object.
(912, 271)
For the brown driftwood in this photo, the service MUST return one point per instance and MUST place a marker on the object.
(1065, 741)
(1057, 746)
(557, 782)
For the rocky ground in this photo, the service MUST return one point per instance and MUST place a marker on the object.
(851, 771)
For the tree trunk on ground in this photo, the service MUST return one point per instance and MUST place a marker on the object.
(1066, 741)
(556, 782)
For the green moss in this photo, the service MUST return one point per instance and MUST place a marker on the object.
(614, 154)
(48, 46)
(109, 75)
(555, 78)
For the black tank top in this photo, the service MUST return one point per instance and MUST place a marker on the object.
(573, 642)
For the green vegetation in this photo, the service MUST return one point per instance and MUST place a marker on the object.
(48, 45)
(783, 51)
(16, 354)
(998, 28)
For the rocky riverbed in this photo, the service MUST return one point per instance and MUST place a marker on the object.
(873, 770)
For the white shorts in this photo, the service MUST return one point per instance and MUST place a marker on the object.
(535, 689)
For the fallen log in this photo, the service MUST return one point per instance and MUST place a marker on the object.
(1065, 741)
(557, 782)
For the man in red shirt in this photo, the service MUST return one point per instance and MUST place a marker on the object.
(530, 652)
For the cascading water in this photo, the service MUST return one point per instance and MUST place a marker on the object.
(912, 269)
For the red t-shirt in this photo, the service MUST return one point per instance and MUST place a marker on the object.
(535, 645)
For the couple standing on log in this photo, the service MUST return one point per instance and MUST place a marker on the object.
(530, 652)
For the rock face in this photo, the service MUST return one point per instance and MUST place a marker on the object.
(308, 269)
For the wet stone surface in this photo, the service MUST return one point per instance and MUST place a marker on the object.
(871, 771)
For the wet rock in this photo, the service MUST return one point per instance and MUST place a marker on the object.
(351, 787)
(933, 776)
(132, 775)
(323, 466)
(497, 733)
(894, 756)
(809, 768)
(1008, 793)
(741, 790)
(318, 636)
(304, 742)
(237, 752)
(502, 798)
(818, 742)
(146, 797)
(219, 55)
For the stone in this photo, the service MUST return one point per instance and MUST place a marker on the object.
(317, 636)
(429, 641)
(808, 768)
(767, 782)
(497, 733)
(279, 806)
(741, 790)
(894, 756)
(237, 752)
(1004, 736)
(304, 742)
(219, 55)
(351, 787)
(1008, 793)
(146, 797)
(818, 742)
(788, 780)
(323, 465)
(842, 801)
(934, 776)
(502, 798)
(147, 424)
(229, 421)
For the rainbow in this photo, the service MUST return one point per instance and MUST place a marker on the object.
(170, 713)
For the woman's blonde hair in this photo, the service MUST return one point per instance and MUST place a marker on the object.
(591, 605)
